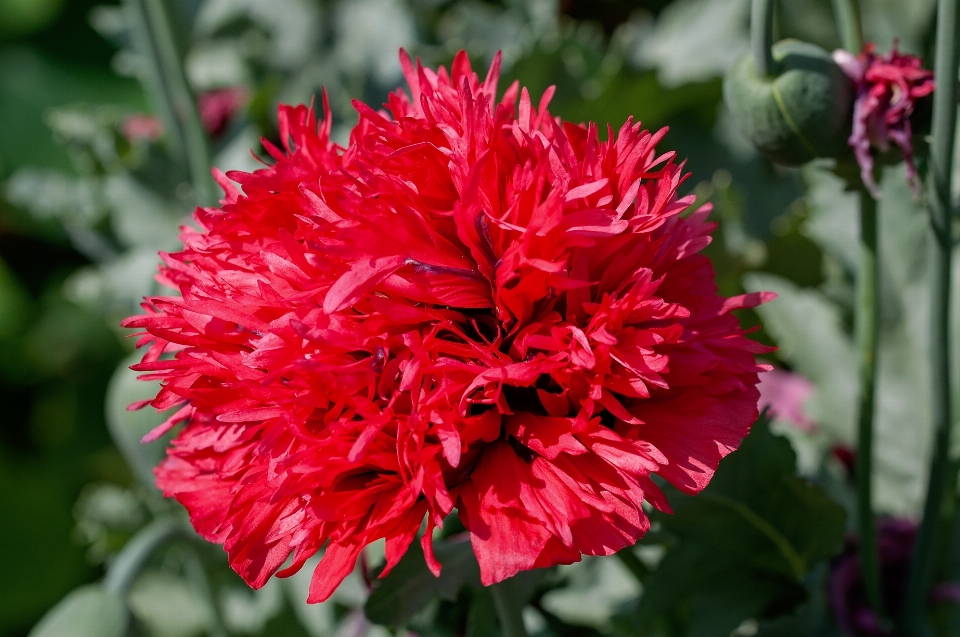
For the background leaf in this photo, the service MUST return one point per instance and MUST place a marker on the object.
(128, 427)
(168, 606)
(742, 548)
(410, 586)
(86, 612)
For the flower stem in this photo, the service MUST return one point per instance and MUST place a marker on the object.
(197, 574)
(867, 320)
(847, 13)
(761, 36)
(124, 569)
(941, 487)
(509, 611)
(175, 101)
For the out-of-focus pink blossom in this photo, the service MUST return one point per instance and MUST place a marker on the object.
(142, 127)
(783, 393)
(888, 88)
(218, 107)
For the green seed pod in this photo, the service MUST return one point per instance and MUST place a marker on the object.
(800, 112)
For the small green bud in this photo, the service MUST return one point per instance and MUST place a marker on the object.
(801, 112)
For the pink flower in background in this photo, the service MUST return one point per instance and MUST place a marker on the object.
(784, 394)
(142, 127)
(888, 88)
(219, 106)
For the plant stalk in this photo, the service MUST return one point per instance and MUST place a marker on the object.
(761, 36)
(941, 487)
(867, 336)
(847, 13)
(176, 101)
(197, 574)
(509, 611)
(131, 560)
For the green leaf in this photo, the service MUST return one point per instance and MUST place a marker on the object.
(107, 516)
(410, 586)
(693, 41)
(745, 545)
(14, 303)
(140, 217)
(40, 564)
(115, 289)
(809, 326)
(33, 83)
(89, 611)
(27, 16)
(248, 611)
(169, 606)
(594, 588)
(809, 330)
(814, 617)
(128, 427)
(482, 618)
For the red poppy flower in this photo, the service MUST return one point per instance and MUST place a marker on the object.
(472, 305)
(888, 88)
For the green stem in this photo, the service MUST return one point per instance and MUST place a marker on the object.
(197, 574)
(867, 320)
(941, 487)
(847, 13)
(761, 36)
(124, 569)
(172, 93)
(634, 564)
(509, 611)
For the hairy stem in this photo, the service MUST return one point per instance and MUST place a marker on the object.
(509, 610)
(761, 36)
(941, 487)
(847, 13)
(867, 320)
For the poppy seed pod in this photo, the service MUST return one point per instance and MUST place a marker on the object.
(800, 112)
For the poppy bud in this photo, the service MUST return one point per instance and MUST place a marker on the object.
(800, 112)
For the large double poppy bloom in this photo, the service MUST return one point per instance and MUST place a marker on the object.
(474, 305)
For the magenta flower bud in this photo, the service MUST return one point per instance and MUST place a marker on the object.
(888, 90)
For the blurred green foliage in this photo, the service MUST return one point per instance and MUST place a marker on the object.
(55, 358)
(738, 551)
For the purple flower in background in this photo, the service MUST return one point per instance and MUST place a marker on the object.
(848, 597)
(888, 87)
(784, 393)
